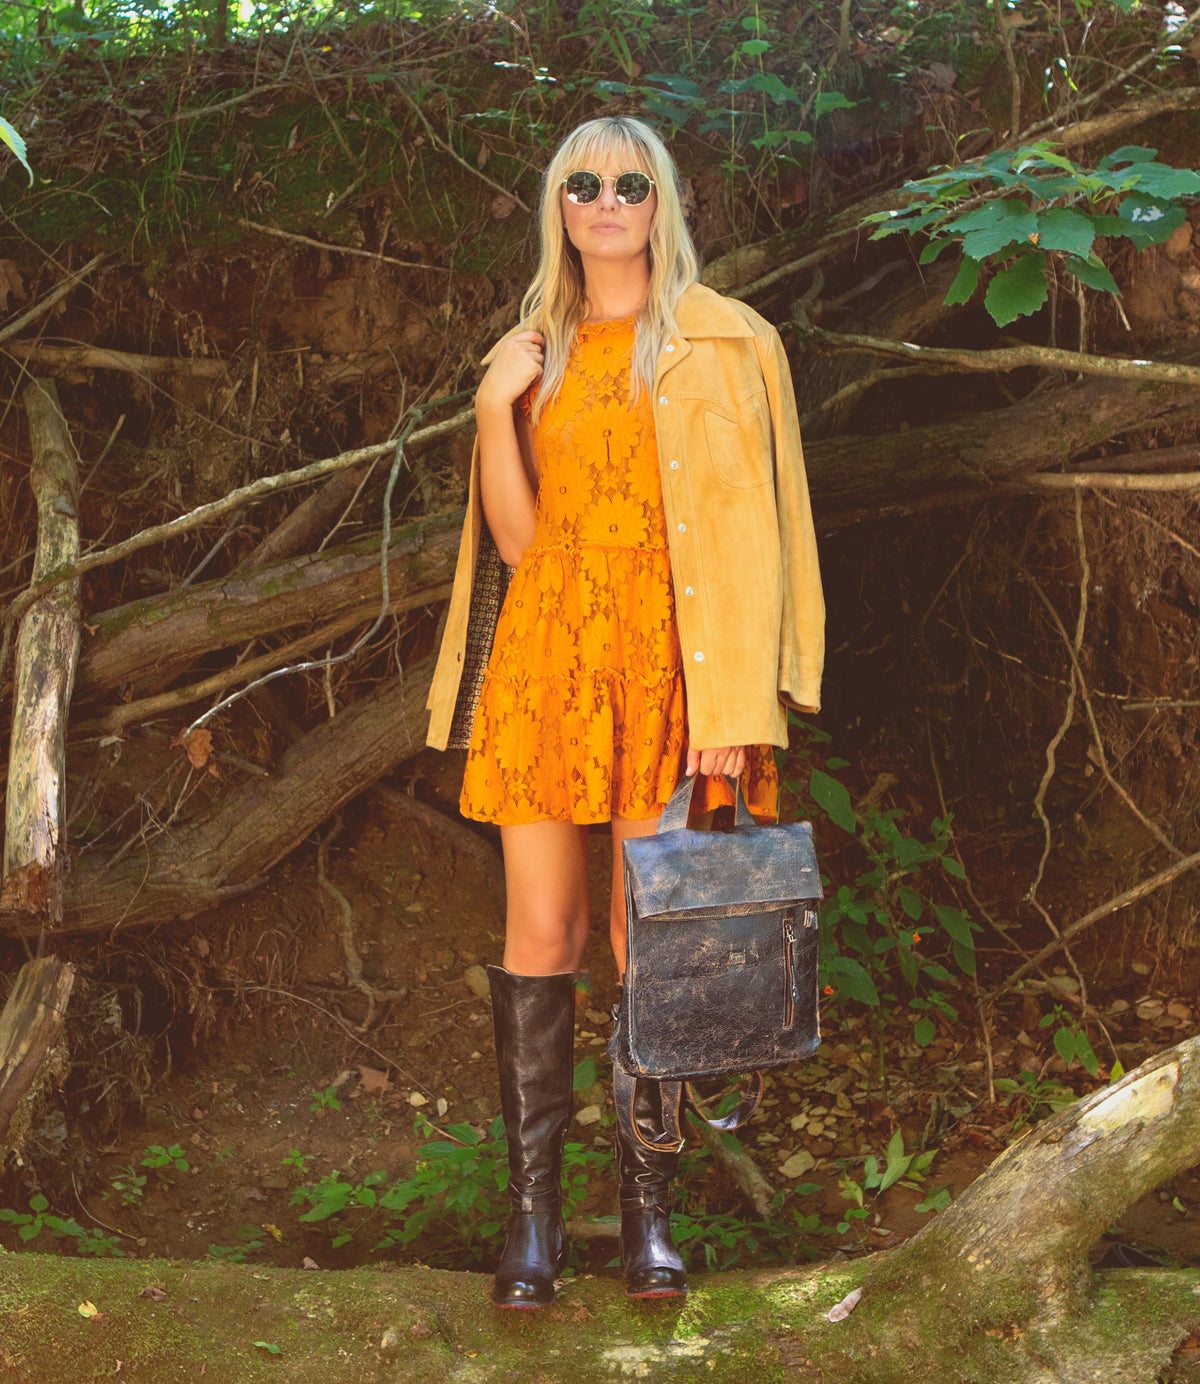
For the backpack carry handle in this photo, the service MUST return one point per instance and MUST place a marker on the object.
(675, 814)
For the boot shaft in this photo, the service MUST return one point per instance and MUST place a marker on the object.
(534, 1022)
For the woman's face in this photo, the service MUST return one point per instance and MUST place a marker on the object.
(607, 230)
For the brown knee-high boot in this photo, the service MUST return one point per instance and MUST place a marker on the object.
(650, 1261)
(534, 1019)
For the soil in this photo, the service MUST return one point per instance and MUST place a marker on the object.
(273, 1084)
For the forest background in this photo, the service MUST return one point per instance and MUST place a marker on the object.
(250, 260)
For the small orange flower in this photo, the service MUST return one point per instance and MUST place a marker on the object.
(916, 938)
(828, 990)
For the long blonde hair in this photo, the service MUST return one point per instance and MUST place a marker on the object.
(556, 302)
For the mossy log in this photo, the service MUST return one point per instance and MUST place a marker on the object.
(228, 848)
(30, 1024)
(995, 1291)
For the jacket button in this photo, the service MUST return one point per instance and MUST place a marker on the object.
(662, 399)
(683, 528)
(688, 591)
(699, 657)
(674, 466)
(668, 348)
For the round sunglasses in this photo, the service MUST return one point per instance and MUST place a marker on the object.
(631, 189)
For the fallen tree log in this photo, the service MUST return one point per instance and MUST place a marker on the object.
(995, 1291)
(163, 633)
(228, 848)
(31, 882)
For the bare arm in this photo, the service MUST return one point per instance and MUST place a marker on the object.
(508, 477)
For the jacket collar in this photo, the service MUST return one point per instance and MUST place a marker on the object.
(702, 313)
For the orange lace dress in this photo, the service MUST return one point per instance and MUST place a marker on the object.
(582, 713)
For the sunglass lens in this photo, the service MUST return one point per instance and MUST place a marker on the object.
(632, 188)
(583, 187)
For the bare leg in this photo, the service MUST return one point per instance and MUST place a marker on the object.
(545, 872)
(623, 829)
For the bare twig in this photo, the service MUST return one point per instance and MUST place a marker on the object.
(246, 494)
(56, 295)
(1010, 59)
(342, 249)
(101, 358)
(739, 1165)
(448, 148)
(1113, 905)
(1085, 103)
(1003, 359)
(1113, 480)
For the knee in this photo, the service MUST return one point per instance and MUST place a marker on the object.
(539, 943)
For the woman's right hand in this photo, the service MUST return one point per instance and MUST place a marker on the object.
(515, 366)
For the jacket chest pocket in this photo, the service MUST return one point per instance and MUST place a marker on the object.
(739, 447)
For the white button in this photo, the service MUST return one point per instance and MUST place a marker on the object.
(674, 466)
(699, 656)
(687, 591)
(668, 348)
(683, 528)
(662, 398)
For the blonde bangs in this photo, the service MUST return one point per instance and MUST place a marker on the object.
(556, 302)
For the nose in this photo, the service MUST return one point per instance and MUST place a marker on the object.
(608, 194)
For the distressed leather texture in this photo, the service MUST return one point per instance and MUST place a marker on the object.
(721, 950)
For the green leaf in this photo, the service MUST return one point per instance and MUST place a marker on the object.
(1060, 228)
(832, 101)
(1127, 153)
(923, 1031)
(1160, 180)
(1017, 291)
(952, 867)
(11, 137)
(1148, 221)
(965, 282)
(1085, 1054)
(1092, 273)
(934, 249)
(1064, 1044)
(912, 903)
(585, 1074)
(964, 957)
(990, 228)
(38, 1203)
(834, 798)
(773, 87)
(753, 47)
(850, 979)
(956, 923)
(268, 1347)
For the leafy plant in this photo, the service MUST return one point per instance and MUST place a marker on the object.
(1070, 1040)
(129, 1185)
(249, 1242)
(1038, 1097)
(1022, 216)
(167, 1163)
(899, 1169)
(881, 927)
(325, 1100)
(454, 1200)
(38, 1218)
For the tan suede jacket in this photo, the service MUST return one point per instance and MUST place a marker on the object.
(748, 599)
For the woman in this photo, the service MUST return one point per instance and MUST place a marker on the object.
(638, 463)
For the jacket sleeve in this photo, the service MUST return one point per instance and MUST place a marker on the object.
(802, 633)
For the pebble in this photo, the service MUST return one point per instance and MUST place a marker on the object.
(477, 981)
(798, 1164)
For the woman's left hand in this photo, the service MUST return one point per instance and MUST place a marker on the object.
(729, 761)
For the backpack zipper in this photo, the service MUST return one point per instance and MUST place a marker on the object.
(791, 993)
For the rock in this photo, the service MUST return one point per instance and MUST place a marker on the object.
(477, 981)
(798, 1164)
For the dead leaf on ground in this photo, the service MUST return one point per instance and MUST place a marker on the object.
(374, 1082)
(197, 746)
(154, 1293)
(503, 206)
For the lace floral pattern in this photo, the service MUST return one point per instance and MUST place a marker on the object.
(582, 714)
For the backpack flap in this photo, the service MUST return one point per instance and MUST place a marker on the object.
(699, 873)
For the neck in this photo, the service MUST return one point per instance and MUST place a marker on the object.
(615, 290)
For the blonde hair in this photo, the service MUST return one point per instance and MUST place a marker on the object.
(556, 301)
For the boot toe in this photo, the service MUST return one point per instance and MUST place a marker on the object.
(531, 1291)
(659, 1281)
